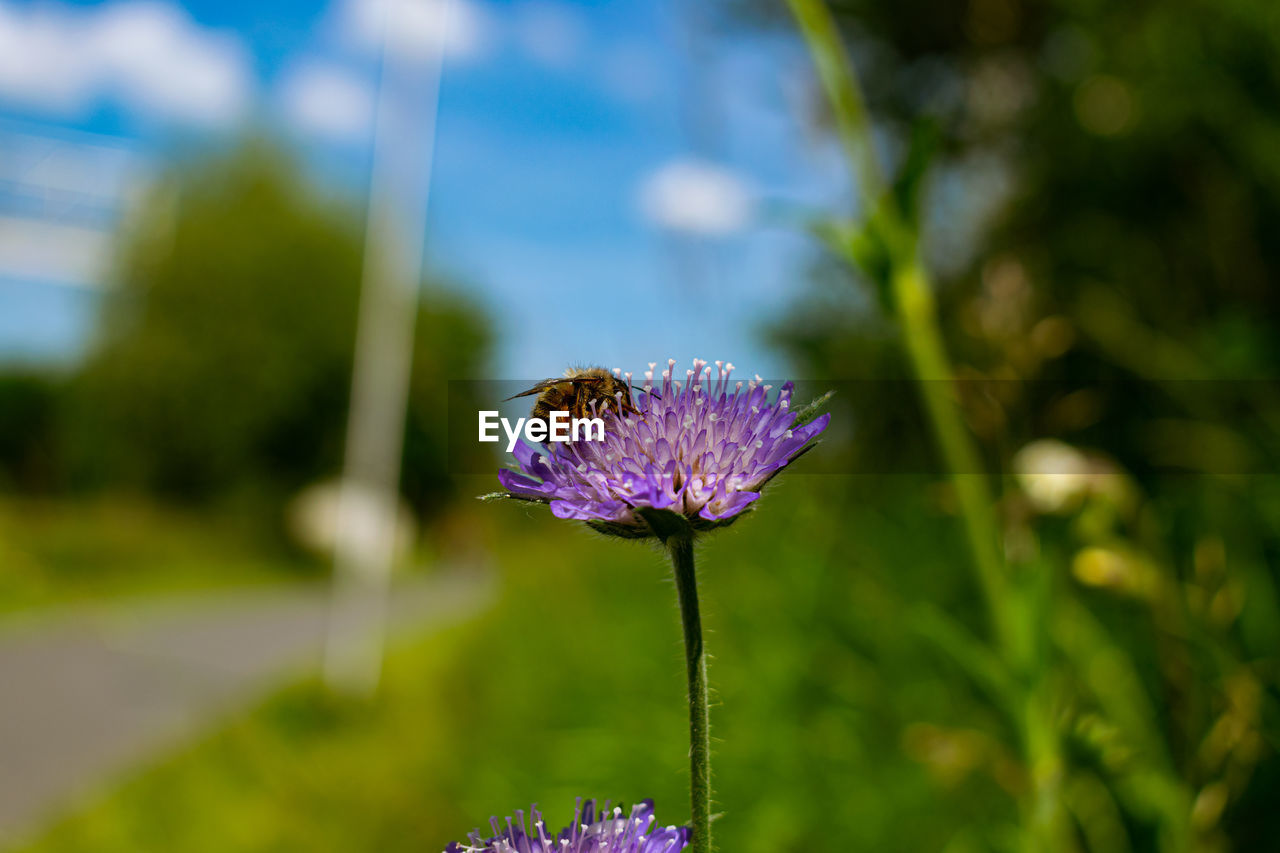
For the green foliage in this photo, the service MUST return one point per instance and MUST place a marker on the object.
(1134, 235)
(829, 719)
(55, 551)
(850, 699)
(862, 703)
(224, 361)
(28, 417)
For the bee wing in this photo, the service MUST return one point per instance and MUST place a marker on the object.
(548, 383)
(536, 389)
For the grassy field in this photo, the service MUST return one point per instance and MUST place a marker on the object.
(55, 552)
(839, 713)
(572, 685)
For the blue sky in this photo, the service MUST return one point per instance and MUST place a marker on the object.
(591, 158)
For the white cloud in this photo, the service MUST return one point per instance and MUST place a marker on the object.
(328, 101)
(42, 63)
(549, 33)
(149, 55)
(164, 63)
(417, 29)
(696, 197)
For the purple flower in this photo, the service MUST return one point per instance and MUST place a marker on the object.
(605, 832)
(700, 448)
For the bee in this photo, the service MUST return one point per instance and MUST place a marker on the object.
(577, 390)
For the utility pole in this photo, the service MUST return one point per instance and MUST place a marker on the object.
(403, 144)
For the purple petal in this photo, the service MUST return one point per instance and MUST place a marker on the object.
(530, 459)
(518, 484)
(729, 432)
(814, 426)
(728, 506)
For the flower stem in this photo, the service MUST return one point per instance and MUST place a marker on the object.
(681, 549)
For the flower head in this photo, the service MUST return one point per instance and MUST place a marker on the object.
(699, 448)
(590, 832)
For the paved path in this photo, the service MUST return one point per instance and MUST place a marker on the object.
(86, 692)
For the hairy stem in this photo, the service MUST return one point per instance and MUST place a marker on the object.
(681, 549)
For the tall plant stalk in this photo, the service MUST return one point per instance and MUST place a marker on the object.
(681, 551)
(1016, 612)
(677, 536)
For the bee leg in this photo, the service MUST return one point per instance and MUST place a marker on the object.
(628, 408)
(579, 409)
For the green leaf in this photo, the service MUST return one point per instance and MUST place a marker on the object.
(812, 409)
(907, 185)
(977, 659)
(865, 247)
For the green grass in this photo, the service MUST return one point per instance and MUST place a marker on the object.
(841, 719)
(55, 552)
(572, 685)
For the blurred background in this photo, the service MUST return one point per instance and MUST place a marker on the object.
(197, 201)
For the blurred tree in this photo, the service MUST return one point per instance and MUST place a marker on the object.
(1099, 194)
(28, 418)
(224, 361)
(1112, 169)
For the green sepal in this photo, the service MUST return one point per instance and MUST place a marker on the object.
(498, 496)
(622, 531)
(812, 409)
(665, 524)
